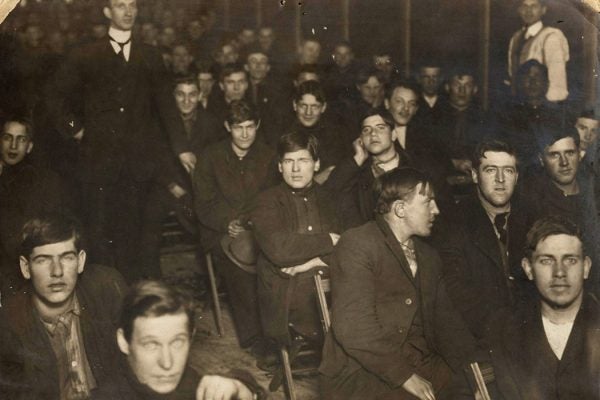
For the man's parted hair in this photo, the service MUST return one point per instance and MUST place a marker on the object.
(367, 72)
(398, 184)
(241, 111)
(294, 141)
(230, 69)
(384, 114)
(19, 119)
(310, 87)
(154, 298)
(549, 226)
(49, 229)
(402, 83)
(493, 145)
(552, 130)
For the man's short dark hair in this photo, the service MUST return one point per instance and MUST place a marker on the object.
(19, 119)
(367, 72)
(240, 111)
(153, 298)
(527, 65)
(554, 129)
(549, 226)
(402, 83)
(185, 80)
(230, 69)
(253, 49)
(310, 87)
(587, 113)
(384, 114)
(459, 70)
(494, 145)
(398, 184)
(294, 141)
(49, 229)
(203, 67)
(305, 69)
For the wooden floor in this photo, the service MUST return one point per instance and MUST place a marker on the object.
(214, 354)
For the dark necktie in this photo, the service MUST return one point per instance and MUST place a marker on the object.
(516, 58)
(121, 45)
(500, 222)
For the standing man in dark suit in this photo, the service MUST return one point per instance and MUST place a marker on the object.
(481, 247)
(395, 334)
(108, 95)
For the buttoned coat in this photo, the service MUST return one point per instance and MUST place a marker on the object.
(375, 300)
(118, 104)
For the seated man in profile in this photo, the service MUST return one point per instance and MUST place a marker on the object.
(394, 334)
(549, 348)
(64, 321)
(155, 334)
(296, 227)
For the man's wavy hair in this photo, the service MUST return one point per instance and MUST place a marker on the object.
(549, 226)
(399, 184)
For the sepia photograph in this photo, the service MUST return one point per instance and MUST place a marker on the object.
(299, 200)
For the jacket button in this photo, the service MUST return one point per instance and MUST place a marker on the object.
(121, 109)
(400, 330)
(310, 228)
(408, 301)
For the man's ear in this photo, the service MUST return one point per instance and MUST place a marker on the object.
(222, 86)
(82, 257)
(29, 147)
(526, 265)
(122, 342)
(398, 207)
(294, 106)
(227, 126)
(324, 107)
(447, 87)
(475, 90)
(386, 103)
(279, 167)
(107, 13)
(257, 124)
(317, 165)
(541, 160)
(474, 176)
(587, 265)
(24, 264)
(246, 67)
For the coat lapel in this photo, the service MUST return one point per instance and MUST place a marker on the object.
(394, 246)
(483, 235)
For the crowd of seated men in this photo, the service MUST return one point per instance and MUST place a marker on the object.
(461, 242)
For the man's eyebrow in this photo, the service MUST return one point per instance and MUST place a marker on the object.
(60, 255)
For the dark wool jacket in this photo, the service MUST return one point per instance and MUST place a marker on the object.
(225, 187)
(28, 357)
(276, 231)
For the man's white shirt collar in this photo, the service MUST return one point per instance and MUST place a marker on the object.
(534, 29)
(121, 37)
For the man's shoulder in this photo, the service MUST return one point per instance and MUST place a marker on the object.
(99, 280)
(358, 234)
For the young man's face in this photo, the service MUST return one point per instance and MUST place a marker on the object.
(181, 59)
(496, 178)
(122, 14)
(53, 270)
(205, 82)
(243, 134)
(16, 143)
(376, 135)
(558, 268)
(258, 66)
(420, 211)
(383, 63)
(310, 52)
(531, 11)
(247, 36)
(343, 56)
(229, 54)
(588, 131)
(429, 78)
(265, 37)
(534, 84)
(371, 91)
(298, 168)
(309, 110)
(158, 350)
(461, 90)
(402, 105)
(186, 97)
(234, 86)
(561, 161)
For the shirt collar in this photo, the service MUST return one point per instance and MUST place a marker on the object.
(65, 318)
(534, 29)
(490, 210)
(119, 35)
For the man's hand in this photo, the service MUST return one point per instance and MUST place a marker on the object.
(310, 264)
(334, 238)
(235, 228)
(177, 191)
(360, 152)
(419, 387)
(214, 387)
(79, 135)
(188, 160)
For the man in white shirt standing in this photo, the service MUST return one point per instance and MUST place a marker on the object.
(545, 44)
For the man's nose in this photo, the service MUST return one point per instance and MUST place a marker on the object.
(500, 176)
(295, 166)
(434, 208)
(13, 143)
(56, 268)
(559, 270)
(563, 160)
(165, 360)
